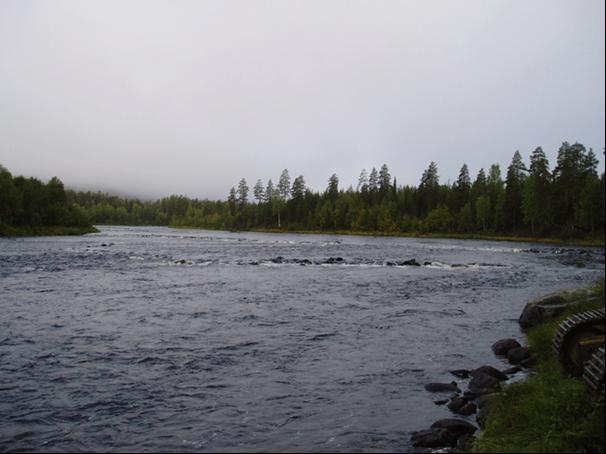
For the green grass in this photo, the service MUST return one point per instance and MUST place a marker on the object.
(548, 412)
(44, 231)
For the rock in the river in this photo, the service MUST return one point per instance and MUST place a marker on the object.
(411, 262)
(512, 370)
(481, 381)
(517, 355)
(468, 409)
(489, 370)
(442, 387)
(433, 438)
(440, 402)
(501, 347)
(476, 393)
(551, 306)
(456, 426)
(461, 373)
(456, 404)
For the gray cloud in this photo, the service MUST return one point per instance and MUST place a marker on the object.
(152, 98)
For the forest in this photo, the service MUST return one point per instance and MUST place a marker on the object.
(529, 200)
(30, 207)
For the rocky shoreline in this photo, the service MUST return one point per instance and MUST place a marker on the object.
(480, 384)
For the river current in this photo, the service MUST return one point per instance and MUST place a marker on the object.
(157, 339)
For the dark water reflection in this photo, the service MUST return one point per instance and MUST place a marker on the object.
(153, 339)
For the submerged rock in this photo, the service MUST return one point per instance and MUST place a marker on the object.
(501, 347)
(433, 438)
(442, 387)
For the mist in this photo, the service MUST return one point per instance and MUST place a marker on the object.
(151, 98)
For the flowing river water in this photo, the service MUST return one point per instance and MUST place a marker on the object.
(157, 339)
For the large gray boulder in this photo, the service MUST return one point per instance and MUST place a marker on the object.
(551, 306)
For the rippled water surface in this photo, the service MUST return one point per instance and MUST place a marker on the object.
(154, 339)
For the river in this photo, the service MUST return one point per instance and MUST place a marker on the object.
(158, 339)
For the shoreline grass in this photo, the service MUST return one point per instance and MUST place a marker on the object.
(549, 411)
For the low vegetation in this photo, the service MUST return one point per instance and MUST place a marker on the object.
(549, 411)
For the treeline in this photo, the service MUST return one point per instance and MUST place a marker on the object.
(27, 205)
(531, 199)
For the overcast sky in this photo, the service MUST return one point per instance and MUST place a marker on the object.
(152, 98)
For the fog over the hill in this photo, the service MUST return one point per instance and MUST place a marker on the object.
(151, 98)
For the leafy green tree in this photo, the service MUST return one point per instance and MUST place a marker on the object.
(439, 220)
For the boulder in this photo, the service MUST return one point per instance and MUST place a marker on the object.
(553, 305)
(442, 387)
(489, 370)
(476, 393)
(411, 262)
(456, 426)
(433, 438)
(483, 381)
(517, 355)
(512, 370)
(461, 373)
(456, 404)
(501, 347)
(440, 402)
(468, 409)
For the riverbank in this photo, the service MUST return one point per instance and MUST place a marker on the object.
(549, 411)
(456, 236)
(7, 231)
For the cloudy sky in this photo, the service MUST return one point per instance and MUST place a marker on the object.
(151, 98)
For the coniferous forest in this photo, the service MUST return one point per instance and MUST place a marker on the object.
(528, 199)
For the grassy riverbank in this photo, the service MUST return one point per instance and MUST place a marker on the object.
(45, 231)
(548, 412)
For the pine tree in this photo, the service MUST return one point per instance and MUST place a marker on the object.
(298, 188)
(284, 185)
(258, 191)
(362, 182)
(269, 191)
(242, 193)
(373, 180)
(384, 179)
(514, 184)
